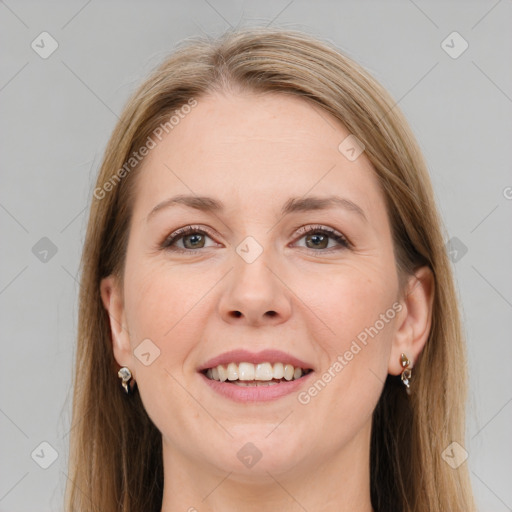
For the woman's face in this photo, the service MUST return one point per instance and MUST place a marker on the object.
(291, 252)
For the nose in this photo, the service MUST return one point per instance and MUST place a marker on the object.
(255, 294)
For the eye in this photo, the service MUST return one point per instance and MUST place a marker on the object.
(318, 238)
(187, 239)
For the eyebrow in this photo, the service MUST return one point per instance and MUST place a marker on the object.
(294, 204)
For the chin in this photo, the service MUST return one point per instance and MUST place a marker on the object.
(256, 455)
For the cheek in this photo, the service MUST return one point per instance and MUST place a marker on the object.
(169, 307)
(350, 300)
(159, 303)
(357, 306)
(162, 305)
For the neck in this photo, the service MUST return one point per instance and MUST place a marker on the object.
(339, 482)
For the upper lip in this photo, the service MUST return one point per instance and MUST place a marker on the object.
(265, 356)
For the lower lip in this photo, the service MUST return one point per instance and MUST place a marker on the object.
(256, 393)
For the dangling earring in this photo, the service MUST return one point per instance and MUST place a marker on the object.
(406, 373)
(125, 374)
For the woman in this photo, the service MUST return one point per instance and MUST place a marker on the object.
(267, 316)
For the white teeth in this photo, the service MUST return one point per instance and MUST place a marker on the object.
(262, 373)
(288, 372)
(232, 371)
(246, 371)
(223, 374)
(278, 371)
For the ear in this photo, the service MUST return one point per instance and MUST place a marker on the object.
(414, 321)
(112, 297)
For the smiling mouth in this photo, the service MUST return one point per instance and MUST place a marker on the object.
(261, 374)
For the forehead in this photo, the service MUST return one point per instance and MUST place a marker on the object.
(255, 150)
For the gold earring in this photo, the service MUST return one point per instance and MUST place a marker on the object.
(406, 373)
(125, 374)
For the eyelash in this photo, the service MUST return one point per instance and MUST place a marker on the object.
(304, 231)
(332, 233)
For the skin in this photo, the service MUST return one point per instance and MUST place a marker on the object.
(254, 152)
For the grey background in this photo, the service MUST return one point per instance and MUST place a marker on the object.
(56, 115)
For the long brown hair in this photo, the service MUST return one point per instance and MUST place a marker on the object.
(115, 450)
